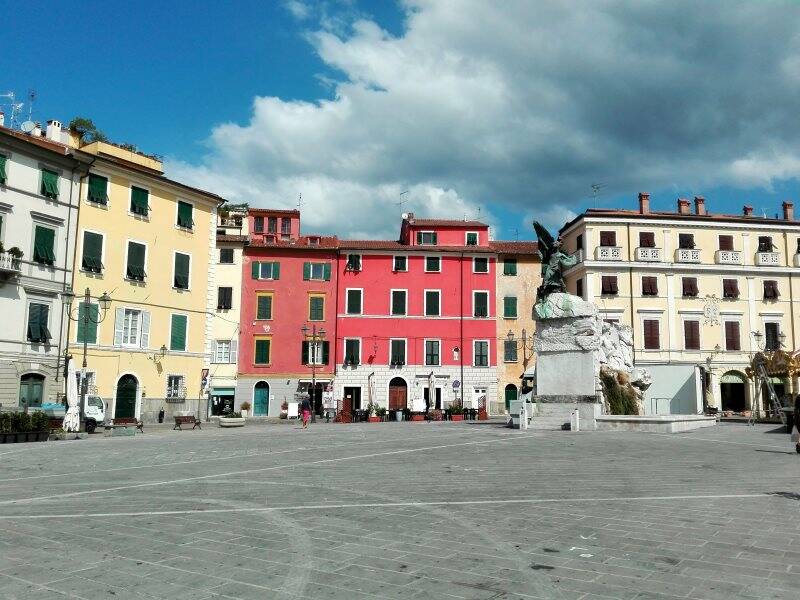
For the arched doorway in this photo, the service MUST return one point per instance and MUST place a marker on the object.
(31, 390)
(125, 404)
(398, 394)
(261, 399)
(511, 396)
(732, 391)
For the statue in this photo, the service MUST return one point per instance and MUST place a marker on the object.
(554, 261)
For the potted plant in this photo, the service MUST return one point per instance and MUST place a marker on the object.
(245, 408)
(456, 412)
(284, 410)
(234, 419)
(371, 413)
(380, 413)
(40, 425)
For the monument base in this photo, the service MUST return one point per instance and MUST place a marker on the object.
(554, 411)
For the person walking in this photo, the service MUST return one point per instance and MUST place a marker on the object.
(305, 411)
(796, 427)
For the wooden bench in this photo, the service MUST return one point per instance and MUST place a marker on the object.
(127, 422)
(185, 420)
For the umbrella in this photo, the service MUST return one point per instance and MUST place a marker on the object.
(72, 421)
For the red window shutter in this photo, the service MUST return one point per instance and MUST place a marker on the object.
(608, 238)
(647, 239)
(726, 242)
(651, 341)
(732, 339)
(691, 335)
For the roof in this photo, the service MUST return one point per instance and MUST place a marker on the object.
(444, 223)
(515, 247)
(233, 238)
(400, 247)
(266, 212)
(301, 243)
(42, 142)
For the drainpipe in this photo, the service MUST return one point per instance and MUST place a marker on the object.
(630, 294)
(336, 314)
(461, 328)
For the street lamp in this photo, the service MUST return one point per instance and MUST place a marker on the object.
(524, 343)
(312, 358)
(104, 303)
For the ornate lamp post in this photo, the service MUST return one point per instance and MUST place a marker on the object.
(83, 321)
(312, 358)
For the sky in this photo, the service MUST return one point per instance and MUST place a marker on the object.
(359, 111)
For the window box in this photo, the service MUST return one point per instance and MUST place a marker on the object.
(608, 253)
(648, 254)
(728, 257)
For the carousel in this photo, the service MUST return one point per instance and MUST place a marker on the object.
(774, 371)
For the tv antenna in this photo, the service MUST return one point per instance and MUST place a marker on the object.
(402, 201)
(31, 99)
(516, 234)
(15, 106)
(300, 202)
(596, 187)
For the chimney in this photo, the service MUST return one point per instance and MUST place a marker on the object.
(644, 203)
(54, 130)
(37, 130)
(747, 211)
(2, 119)
(699, 205)
(788, 211)
(683, 206)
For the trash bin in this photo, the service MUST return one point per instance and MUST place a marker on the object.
(398, 415)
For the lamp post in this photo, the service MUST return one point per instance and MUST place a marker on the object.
(524, 341)
(312, 358)
(104, 303)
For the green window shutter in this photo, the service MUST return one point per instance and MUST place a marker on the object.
(472, 239)
(255, 269)
(181, 271)
(326, 347)
(49, 184)
(98, 189)
(44, 245)
(481, 308)
(276, 271)
(419, 237)
(304, 353)
(354, 302)
(326, 272)
(435, 238)
(140, 201)
(177, 338)
(262, 352)
(510, 307)
(92, 252)
(3, 175)
(510, 266)
(37, 323)
(135, 268)
(316, 309)
(87, 331)
(185, 215)
(398, 302)
(306, 271)
(264, 309)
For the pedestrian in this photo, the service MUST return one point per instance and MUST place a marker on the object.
(796, 427)
(305, 411)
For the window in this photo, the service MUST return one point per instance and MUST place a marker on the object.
(726, 242)
(472, 238)
(691, 335)
(480, 304)
(686, 241)
(432, 303)
(140, 204)
(608, 285)
(316, 308)
(49, 187)
(31, 390)
(730, 288)
(86, 330)
(353, 262)
(181, 279)
(131, 327)
(399, 302)
(97, 189)
(224, 298)
(509, 266)
(771, 290)
(426, 238)
(177, 332)
(185, 214)
(316, 271)
(651, 334)
(579, 242)
(135, 262)
(272, 224)
(432, 355)
(286, 228)
(732, 336)
(765, 243)
(772, 338)
(397, 351)
(315, 353)
(647, 239)
(226, 256)
(3, 175)
(354, 302)
(510, 307)
(352, 351)
(689, 287)
(265, 270)
(608, 238)
(509, 351)
(480, 265)
(38, 323)
(400, 264)
(176, 386)
(480, 353)
(258, 224)
(222, 351)
(433, 264)
(261, 355)
(44, 243)
(579, 287)
(263, 307)
(92, 258)
(649, 286)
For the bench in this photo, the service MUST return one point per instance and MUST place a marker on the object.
(185, 420)
(128, 421)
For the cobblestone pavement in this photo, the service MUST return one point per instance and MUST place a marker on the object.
(402, 510)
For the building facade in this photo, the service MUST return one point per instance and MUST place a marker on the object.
(700, 290)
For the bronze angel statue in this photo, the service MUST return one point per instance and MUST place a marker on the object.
(554, 262)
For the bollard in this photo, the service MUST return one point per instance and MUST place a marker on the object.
(575, 421)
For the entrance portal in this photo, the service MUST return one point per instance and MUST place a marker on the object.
(31, 390)
(261, 399)
(511, 395)
(315, 392)
(732, 391)
(352, 399)
(398, 394)
(125, 404)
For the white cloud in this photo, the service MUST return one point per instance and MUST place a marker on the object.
(298, 9)
(523, 105)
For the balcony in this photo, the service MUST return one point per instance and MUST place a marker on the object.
(728, 257)
(687, 255)
(578, 256)
(768, 259)
(608, 253)
(9, 264)
(648, 254)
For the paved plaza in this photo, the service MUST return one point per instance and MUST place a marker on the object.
(402, 510)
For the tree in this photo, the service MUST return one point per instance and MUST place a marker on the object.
(86, 130)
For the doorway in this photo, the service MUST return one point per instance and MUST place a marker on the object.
(315, 394)
(261, 399)
(398, 394)
(125, 404)
(31, 390)
(352, 399)
(732, 391)
(437, 398)
(511, 396)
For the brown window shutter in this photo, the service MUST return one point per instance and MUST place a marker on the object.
(649, 286)
(651, 341)
(732, 340)
(608, 238)
(689, 285)
(726, 242)
(691, 332)
(686, 241)
(770, 290)
(765, 243)
(647, 239)
(609, 285)
(730, 288)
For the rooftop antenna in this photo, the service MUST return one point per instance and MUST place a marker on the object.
(16, 107)
(402, 201)
(300, 201)
(31, 99)
(516, 234)
(596, 187)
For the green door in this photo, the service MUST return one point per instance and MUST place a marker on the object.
(261, 399)
(511, 395)
(31, 390)
(125, 406)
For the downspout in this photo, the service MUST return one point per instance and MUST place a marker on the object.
(461, 327)
(791, 299)
(336, 314)
(630, 294)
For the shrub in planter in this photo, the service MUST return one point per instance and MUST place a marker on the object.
(5, 422)
(20, 422)
(233, 415)
(40, 421)
(283, 415)
(456, 412)
(380, 412)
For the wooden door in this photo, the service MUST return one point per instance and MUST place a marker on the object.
(397, 397)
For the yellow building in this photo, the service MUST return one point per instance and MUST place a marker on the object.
(701, 291)
(518, 277)
(149, 242)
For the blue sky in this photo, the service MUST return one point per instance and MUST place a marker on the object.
(508, 113)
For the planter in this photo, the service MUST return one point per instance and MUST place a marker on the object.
(417, 417)
(28, 436)
(245, 413)
(456, 417)
(231, 421)
(374, 419)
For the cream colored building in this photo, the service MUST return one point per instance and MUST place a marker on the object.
(518, 276)
(695, 287)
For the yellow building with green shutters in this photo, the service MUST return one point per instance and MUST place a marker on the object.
(148, 242)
